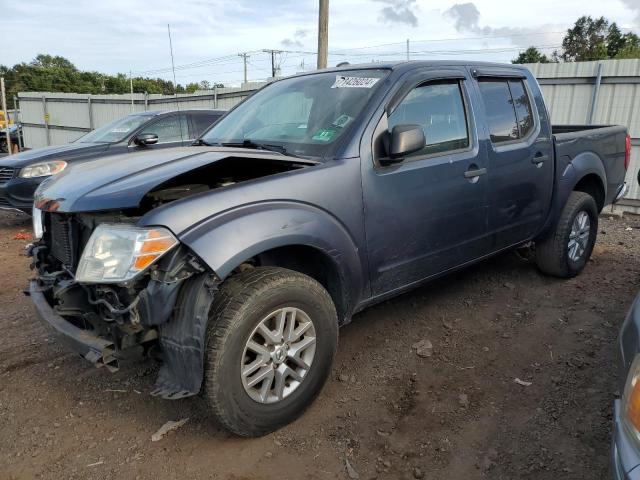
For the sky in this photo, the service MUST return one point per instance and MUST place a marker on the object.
(207, 35)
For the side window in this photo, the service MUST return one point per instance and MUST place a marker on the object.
(439, 109)
(508, 109)
(173, 128)
(523, 107)
(202, 121)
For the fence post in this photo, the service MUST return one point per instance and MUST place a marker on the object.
(90, 111)
(215, 96)
(45, 115)
(146, 101)
(594, 97)
(17, 121)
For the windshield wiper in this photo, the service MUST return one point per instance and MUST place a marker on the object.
(247, 143)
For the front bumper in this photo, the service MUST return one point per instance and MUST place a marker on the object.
(625, 457)
(17, 193)
(97, 350)
(622, 191)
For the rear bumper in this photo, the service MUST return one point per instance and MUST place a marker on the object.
(97, 350)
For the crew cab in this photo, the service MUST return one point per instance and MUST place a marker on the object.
(316, 197)
(21, 174)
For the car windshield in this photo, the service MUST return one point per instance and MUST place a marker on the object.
(302, 116)
(115, 131)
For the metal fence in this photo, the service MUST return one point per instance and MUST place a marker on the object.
(603, 92)
(600, 93)
(57, 118)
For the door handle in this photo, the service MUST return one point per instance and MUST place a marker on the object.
(475, 173)
(538, 158)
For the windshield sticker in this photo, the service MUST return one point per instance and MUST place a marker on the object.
(324, 135)
(354, 82)
(342, 121)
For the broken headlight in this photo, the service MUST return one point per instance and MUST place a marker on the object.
(117, 253)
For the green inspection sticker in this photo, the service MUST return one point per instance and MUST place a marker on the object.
(324, 135)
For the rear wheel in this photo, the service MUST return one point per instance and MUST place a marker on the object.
(567, 250)
(271, 339)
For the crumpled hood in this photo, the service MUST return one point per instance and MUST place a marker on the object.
(56, 152)
(121, 181)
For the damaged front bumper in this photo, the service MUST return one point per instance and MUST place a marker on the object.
(97, 350)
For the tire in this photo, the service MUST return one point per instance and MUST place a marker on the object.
(241, 305)
(553, 254)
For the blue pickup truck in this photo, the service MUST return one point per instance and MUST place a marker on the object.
(324, 193)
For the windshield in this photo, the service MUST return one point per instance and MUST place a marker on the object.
(115, 131)
(303, 116)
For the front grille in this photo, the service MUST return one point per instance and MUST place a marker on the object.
(4, 202)
(61, 238)
(6, 174)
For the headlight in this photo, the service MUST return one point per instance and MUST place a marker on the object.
(43, 169)
(631, 401)
(117, 253)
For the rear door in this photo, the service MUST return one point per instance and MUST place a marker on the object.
(520, 157)
(428, 213)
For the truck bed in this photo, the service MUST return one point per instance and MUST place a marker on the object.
(606, 142)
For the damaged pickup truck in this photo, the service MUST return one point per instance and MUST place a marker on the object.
(238, 258)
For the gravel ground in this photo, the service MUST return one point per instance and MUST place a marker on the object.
(386, 411)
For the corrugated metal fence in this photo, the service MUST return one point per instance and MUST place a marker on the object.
(56, 118)
(604, 92)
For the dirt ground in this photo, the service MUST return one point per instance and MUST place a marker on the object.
(391, 413)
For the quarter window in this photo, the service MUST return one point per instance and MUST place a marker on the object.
(508, 109)
(439, 109)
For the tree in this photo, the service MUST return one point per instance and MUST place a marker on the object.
(47, 73)
(587, 40)
(531, 55)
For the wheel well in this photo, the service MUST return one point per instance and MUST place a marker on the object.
(592, 185)
(314, 263)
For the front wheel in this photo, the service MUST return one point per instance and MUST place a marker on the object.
(565, 252)
(271, 338)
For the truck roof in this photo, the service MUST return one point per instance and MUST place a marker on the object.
(413, 64)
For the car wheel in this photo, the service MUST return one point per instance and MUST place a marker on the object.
(270, 342)
(566, 251)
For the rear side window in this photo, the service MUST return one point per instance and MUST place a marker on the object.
(202, 121)
(439, 109)
(508, 109)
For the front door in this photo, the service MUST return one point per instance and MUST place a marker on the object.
(428, 213)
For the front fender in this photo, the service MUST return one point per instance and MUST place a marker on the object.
(226, 240)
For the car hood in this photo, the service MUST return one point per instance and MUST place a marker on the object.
(57, 152)
(121, 181)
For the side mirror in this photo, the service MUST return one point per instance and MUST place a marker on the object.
(405, 139)
(146, 139)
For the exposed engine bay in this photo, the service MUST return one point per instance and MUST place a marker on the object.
(136, 315)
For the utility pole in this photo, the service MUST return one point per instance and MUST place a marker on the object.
(273, 60)
(6, 116)
(131, 87)
(244, 56)
(323, 33)
(407, 49)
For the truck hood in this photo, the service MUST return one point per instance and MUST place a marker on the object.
(57, 152)
(121, 181)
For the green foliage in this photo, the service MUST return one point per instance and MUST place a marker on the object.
(531, 55)
(48, 73)
(588, 39)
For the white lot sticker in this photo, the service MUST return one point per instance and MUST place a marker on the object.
(354, 82)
